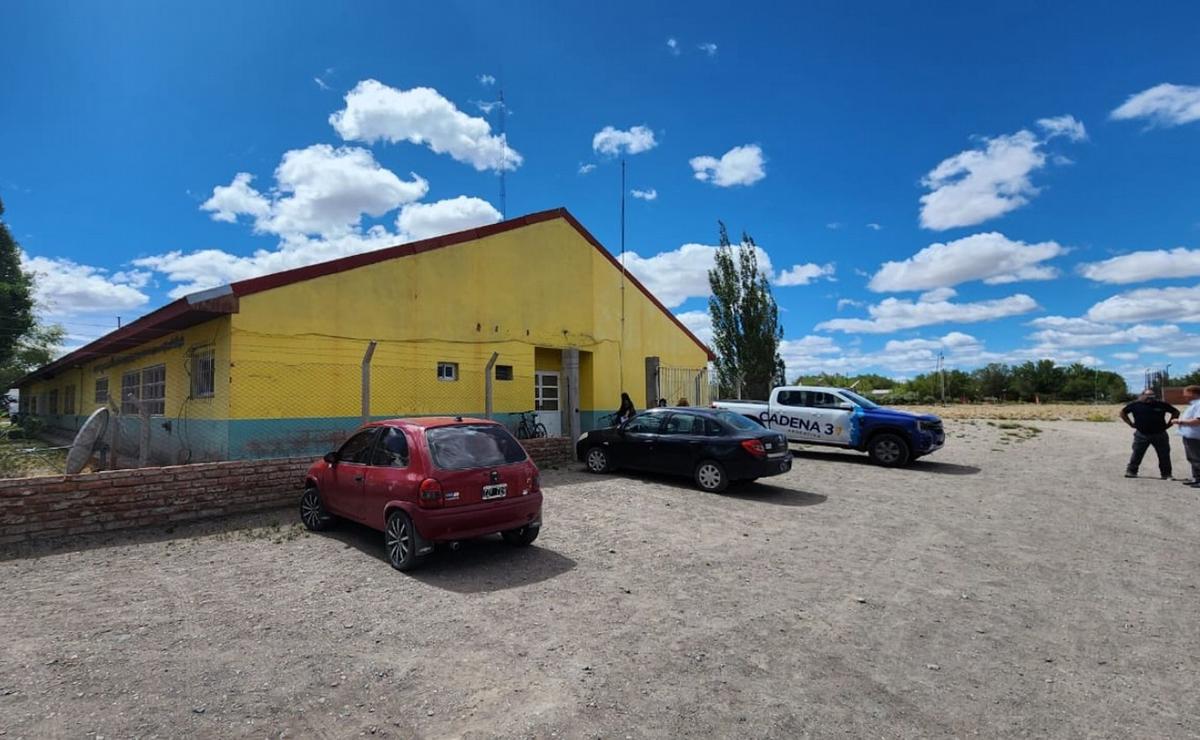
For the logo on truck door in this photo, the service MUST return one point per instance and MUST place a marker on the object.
(795, 422)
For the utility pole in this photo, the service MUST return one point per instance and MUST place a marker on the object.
(621, 344)
(942, 372)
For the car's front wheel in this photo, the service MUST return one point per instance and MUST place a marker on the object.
(312, 511)
(597, 460)
(711, 477)
(400, 541)
(889, 450)
(521, 536)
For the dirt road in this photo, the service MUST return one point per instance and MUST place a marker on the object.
(1011, 584)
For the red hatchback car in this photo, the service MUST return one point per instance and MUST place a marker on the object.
(427, 480)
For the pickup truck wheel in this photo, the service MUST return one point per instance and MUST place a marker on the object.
(711, 477)
(597, 460)
(399, 541)
(312, 511)
(889, 450)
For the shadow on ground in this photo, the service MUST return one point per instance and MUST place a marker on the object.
(858, 458)
(265, 524)
(481, 565)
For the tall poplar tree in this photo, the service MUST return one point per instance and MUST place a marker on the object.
(745, 319)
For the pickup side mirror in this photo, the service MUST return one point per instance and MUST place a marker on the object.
(845, 406)
(331, 458)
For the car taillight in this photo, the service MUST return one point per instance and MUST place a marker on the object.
(535, 483)
(431, 494)
(755, 448)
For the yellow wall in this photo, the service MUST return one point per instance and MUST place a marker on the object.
(213, 333)
(297, 349)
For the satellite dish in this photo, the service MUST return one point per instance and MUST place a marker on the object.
(86, 440)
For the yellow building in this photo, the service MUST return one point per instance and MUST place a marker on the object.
(274, 365)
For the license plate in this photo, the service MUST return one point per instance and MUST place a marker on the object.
(499, 490)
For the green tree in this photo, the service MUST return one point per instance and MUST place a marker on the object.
(16, 296)
(993, 380)
(745, 319)
(38, 347)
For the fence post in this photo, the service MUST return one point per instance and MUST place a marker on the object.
(366, 382)
(114, 424)
(487, 385)
(652, 388)
(143, 432)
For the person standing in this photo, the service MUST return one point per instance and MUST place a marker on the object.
(1150, 424)
(627, 410)
(1189, 430)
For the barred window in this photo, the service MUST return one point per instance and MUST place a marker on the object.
(504, 372)
(54, 401)
(447, 370)
(69, 400)
(101, 390)
(131, 390)
(154, 389)
(204, 373)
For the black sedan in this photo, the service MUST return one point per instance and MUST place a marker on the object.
(712, 446)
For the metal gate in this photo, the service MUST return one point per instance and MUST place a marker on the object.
(681, 386)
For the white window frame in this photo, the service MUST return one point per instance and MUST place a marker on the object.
(157, 403)
(102, 396)
(204, 373)
(127, 389)
(447, 372)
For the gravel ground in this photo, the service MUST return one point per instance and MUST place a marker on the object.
(1012, 584)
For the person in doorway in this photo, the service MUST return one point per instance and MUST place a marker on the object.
(1189, 430)
(627, 410)
(1151, 419)
(662, 403)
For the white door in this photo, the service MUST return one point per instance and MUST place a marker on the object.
(811, 416)
(546, 399)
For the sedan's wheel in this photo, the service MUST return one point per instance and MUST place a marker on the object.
(597, 460)
(522, 536)
(312, 511)
(710, 476)
(399, 540)
(889, 450)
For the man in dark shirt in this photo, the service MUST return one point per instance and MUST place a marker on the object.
(1150, 424)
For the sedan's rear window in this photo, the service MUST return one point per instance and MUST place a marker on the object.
(473, 446)
(737, 421)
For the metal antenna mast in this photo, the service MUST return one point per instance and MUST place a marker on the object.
(621, 344)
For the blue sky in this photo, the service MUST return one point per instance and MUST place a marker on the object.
(150, 149)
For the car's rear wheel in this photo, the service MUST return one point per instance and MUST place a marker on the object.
(597, 460)
(889, 450)
(312, 511)
(710, 476)
(400, 541)
(521, 536)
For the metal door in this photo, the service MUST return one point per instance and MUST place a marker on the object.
(546, 400)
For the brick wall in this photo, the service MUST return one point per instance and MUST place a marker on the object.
(550, 452)
(53, 506)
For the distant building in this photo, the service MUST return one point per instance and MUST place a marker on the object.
(271, 366)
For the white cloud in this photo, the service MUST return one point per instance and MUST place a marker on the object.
(376, 112)
(319, 190)
(804, 274)
(612, 141)
(1066, 332)
(1066, 126)
(893, 314)
(424, 220)
(322, 79)
(937, 295)
(849, 303)
(1150, 304)
(237, 198)
(1126, 356)
(63, 287)
(675, 276)
(991, 257)
(586, 168)
(708, 48)
(1163, 105)
(833, 225)
(874, 227)
(321, 83)
(486, 79)
(132, 278)
(650, 194)
(673, 45)
(1137, 267)
(978, 184)
(741, 165)
(699, 323)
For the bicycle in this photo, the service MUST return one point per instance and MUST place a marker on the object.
(529, 427)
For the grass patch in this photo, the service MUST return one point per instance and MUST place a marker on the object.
(16, 461)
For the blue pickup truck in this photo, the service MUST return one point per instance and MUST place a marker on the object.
(842, 418)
